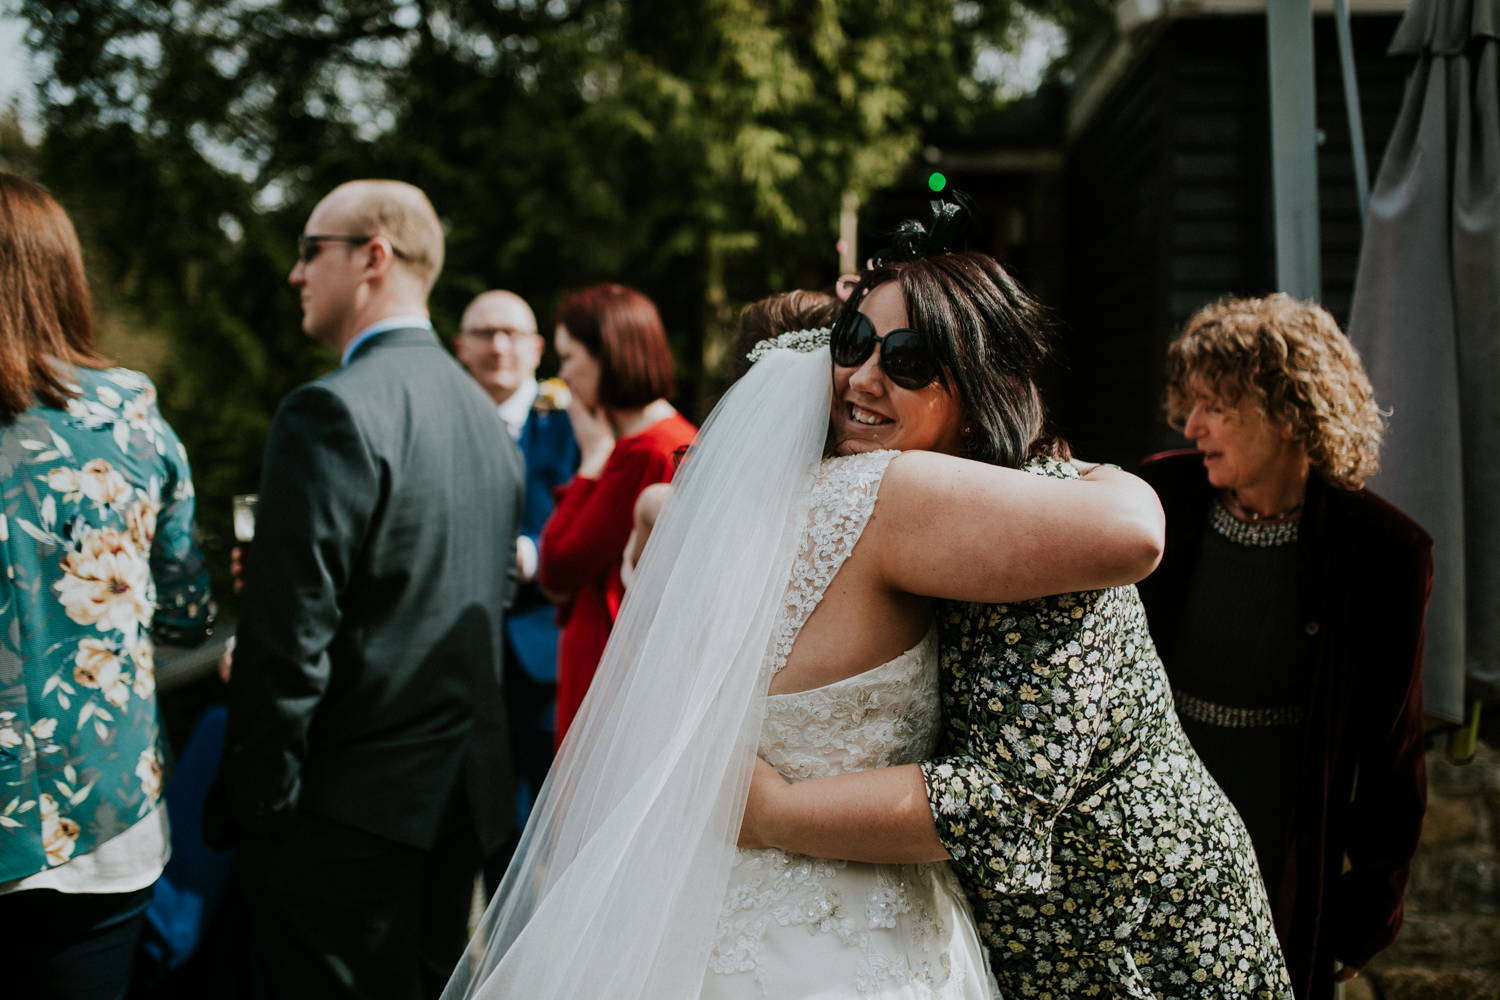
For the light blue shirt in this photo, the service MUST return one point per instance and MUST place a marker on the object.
(383, 325)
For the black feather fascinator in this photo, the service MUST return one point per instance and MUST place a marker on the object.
(946, 230)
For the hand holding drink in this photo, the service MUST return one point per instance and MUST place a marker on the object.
(244, 533)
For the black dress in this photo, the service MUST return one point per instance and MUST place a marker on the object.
(1363, 574)
(1240, 675)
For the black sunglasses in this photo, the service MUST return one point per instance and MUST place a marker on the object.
(904, 354)
(308, 246)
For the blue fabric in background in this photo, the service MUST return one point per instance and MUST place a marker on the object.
(533, 633)
(551, 459)
(188, 891)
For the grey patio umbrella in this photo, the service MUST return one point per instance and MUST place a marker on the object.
(1426, 317)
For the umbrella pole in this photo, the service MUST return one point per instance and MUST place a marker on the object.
(1294, 148)
(1351, 107)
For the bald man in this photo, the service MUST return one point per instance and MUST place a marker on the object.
(499, 344)
(367, 769)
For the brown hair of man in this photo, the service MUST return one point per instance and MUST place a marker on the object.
(46, 313)
(402, 214)
(621, 328)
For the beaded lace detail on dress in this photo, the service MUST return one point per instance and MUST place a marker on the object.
(1248, 533)
(879, 718)
(843, 496)
(885, 716)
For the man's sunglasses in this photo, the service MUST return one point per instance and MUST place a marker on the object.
(308, 246)
(904, 354)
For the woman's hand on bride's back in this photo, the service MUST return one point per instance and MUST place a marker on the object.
(948, 527)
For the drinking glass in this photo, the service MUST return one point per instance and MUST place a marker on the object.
(244, 516)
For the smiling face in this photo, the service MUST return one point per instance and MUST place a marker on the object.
(870, 412)
(1242, 450)
(578, 368)
(498, 343)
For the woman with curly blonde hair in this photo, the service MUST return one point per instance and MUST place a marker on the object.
(1288, 610)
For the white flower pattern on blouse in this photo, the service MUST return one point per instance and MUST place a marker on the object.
(96, 518)
(1099, 855)
(885, 716)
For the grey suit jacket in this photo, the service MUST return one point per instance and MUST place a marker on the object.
(367, 676)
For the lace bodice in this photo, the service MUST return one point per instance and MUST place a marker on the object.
(898, 922)
(884, 716)
(842, 499)
(881, 717)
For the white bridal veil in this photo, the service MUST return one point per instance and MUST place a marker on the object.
(616, 888)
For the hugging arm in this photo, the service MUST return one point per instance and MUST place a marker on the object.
(951, 528)
(1030, 721)
(647, 509)
(1026, 730)
(1029, 718)
(879, 816)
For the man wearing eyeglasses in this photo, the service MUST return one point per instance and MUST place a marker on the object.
(499, 344)
(367, 769)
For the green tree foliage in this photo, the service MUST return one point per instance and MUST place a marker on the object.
(697, 149)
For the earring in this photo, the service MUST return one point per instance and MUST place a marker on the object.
(968, 429)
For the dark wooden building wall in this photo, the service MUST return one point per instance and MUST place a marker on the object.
(1168, 197)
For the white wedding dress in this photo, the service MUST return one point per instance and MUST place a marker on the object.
(798, 927)
(627, 883)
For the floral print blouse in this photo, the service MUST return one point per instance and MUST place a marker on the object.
(96, 527)
(1098, 854)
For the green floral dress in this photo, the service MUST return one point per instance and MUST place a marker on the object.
(1098, 854)
(96, 532)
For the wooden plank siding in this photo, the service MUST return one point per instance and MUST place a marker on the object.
(1168, 204)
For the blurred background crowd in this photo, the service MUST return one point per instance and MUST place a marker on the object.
(678, 161)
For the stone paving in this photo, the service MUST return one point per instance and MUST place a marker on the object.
(1449, 948)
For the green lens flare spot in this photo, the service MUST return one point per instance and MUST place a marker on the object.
(937, 181)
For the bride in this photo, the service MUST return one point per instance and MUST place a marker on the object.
(743, 633)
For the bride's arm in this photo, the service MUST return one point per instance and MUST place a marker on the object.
(948, 527)
(880, 816)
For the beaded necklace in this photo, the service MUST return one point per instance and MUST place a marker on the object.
(1260, 534)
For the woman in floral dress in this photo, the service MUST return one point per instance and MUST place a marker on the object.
(96, 531)
(1098, 855)
(1094, 846)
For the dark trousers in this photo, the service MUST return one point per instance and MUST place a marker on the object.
(342, 913)
(70, 946)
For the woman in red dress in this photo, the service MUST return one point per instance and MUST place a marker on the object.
(616, 361)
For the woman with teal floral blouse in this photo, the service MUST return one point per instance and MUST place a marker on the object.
(96, 527)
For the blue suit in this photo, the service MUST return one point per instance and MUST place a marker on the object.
(531, 674)
(551, 459)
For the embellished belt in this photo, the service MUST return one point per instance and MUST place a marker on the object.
(1200, 710)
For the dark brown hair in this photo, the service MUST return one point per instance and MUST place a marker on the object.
(777, 314)
(46, 314)
(622, 329)
(1302, 372)
(989, 338)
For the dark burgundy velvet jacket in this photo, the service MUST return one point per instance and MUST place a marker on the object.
(1366, 572)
